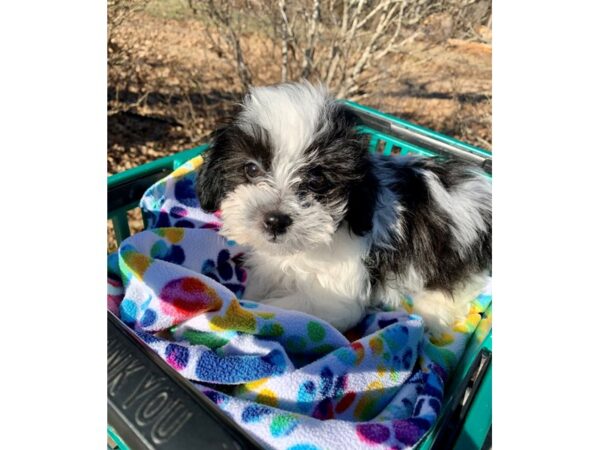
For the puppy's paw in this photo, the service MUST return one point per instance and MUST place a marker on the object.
(440, 311)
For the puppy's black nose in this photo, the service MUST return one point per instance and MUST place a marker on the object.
(276, 222)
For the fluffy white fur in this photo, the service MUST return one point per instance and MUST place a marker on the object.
(329, 281)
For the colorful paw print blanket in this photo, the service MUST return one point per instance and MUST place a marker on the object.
(290, 379)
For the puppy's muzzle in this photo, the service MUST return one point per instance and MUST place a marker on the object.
(277, 223)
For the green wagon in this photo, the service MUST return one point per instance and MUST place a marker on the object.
(466, 416)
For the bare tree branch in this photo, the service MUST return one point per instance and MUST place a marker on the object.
(307, 63)
(386, 15)
(285, 39)
(339, 42)
(220, 13)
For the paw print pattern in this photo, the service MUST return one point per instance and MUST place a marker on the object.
(227, 270)
(174, 217)
(184, 192)
(172, 202)
(170, 253)
(333, 392)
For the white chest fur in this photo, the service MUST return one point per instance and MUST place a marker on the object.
(336, 270)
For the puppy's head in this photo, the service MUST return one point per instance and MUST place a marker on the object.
(288, 171)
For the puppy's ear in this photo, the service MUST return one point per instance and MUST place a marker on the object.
(351, 119)
(362, 200)
(343, 119)
(363, 191)
(210, 183)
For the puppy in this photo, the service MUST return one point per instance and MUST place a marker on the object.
(332, 229)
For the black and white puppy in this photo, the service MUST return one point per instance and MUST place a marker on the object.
(332, 229)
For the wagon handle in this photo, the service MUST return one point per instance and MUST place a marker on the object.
(151, 406)
(422, 137)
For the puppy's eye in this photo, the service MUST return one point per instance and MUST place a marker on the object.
(316, 181)
(252, 170)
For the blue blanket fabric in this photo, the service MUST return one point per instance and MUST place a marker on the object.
(290, 379)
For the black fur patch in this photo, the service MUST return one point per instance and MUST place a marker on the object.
(427, 241)
(223, 167)
(341, 154)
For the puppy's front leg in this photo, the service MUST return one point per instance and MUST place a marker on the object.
(340, 312)
(259, 288)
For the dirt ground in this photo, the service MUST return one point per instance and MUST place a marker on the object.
(172, 87)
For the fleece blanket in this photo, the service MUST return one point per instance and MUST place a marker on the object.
(290, 379)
